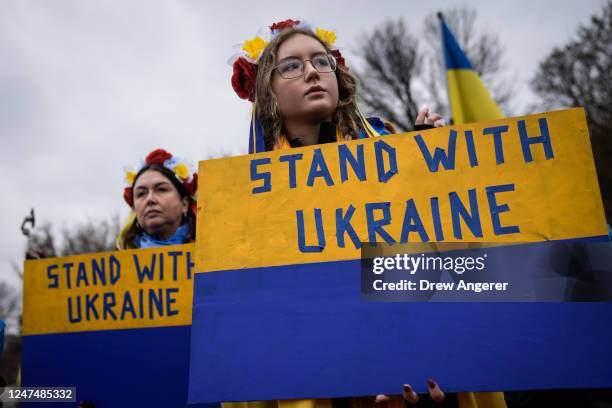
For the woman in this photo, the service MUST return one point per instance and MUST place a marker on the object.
(304, 94)
(161, 194)
(303, 91)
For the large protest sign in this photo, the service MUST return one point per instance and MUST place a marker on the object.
(115, 325)
(277, 307)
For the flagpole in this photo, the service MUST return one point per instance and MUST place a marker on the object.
(444, 69)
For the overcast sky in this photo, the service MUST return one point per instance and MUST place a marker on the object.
(87, 87)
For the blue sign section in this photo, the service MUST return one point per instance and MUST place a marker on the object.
(302, 331)
(115, 368)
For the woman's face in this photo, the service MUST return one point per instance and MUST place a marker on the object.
(312, 96)
(158, 205)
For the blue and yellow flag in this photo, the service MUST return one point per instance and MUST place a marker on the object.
(470, 100)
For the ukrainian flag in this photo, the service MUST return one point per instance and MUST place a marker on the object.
(470, 100)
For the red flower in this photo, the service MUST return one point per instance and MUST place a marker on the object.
(243, 79)
(339, 57)
(193, 186)
(281, 25)
(157, 156)
(127, 196)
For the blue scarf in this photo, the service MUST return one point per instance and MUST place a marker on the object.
(144, 240)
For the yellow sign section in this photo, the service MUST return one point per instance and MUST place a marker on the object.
(522, 179)
(109, 290)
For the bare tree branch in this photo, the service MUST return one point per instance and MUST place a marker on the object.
(580, 74)
(89, 237)
(399, 76)
(393, 61)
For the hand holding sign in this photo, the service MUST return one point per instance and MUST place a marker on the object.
(435, 119)
(409, 395)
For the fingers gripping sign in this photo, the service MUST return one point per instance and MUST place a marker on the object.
(411, 397)
(434, 119)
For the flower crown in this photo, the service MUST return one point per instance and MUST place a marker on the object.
(245, 62)
(180, 168)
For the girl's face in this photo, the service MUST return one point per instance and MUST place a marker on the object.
(158, 204)
(312, 96)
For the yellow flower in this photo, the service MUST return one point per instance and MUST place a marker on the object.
(182, 171)
(254, 47)
(130, 176)
(328, 37)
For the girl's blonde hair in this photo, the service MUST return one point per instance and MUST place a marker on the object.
(346, 116)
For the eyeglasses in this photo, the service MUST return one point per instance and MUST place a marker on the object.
(293, 67)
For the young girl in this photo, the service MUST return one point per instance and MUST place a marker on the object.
(304, 94)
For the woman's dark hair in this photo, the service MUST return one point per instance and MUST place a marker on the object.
(190, 218)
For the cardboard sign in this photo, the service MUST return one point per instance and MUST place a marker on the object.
(115, 325)
(277, 308)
